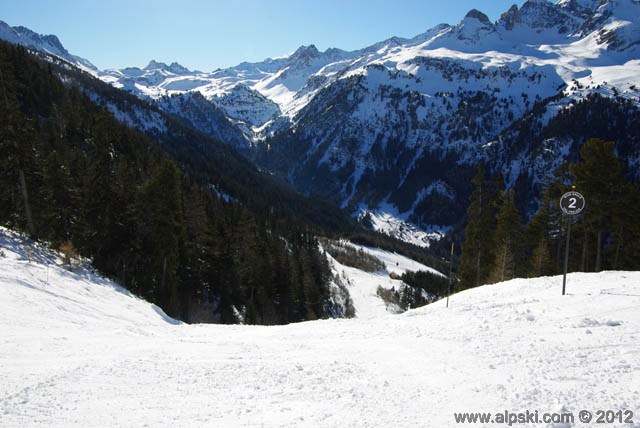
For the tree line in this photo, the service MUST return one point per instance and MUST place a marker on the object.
(71, 173)
(499, 245)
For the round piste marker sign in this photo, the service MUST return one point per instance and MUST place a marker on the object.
(572, 203)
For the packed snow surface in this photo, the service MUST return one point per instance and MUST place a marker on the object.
(77, 350)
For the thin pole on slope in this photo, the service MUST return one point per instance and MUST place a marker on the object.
(571, 203)
(450, 272)
(566, 256)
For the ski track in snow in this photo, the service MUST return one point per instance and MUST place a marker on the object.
(77, 350)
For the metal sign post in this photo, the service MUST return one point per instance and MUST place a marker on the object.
(571, 203)
(566, 256)
(450, 272)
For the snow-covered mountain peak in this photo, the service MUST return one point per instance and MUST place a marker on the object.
(538, 22)
(475, 14)
(29, 38)
(335, 52)
(153, 65)
(173, 68)
(543, 14)
(49, 39)
(384, 45)
(178, 68)
(611, 23)
(474, 33)
(474, 27)
(304, 52)
(49, 44)
(510, 18)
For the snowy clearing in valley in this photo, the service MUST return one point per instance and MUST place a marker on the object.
(77, 350)
(363, 286)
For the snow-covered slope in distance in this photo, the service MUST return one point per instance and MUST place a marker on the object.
(78, 351)
(363, 286)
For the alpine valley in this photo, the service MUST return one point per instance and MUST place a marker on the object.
(138, 205)
(393, 132)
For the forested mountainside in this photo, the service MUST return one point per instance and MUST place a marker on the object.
(74, 175)
(209, 161)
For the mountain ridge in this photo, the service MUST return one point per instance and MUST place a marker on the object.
(47, 43)
(362, 126)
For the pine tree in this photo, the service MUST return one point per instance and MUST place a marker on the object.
(539, 236)
(197, 253)
(59, 204)
(18, 161)
(100, 207)
(625, 247)
(478, 249)
(508, 241)
(601, 180)
(158, 215)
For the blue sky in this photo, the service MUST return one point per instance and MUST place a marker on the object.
(207, 34)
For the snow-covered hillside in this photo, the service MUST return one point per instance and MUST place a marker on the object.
(363, 286)
(77, 350)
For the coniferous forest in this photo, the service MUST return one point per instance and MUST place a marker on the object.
(72, 175)
(500, 245)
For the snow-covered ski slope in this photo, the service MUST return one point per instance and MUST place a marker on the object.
(78, 351)
(363, 286)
